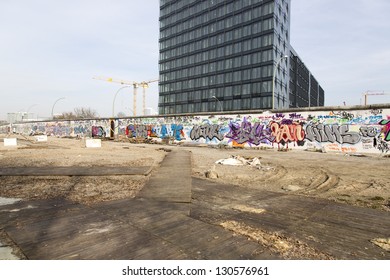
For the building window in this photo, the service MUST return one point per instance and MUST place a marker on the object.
(236, 104)
(246, 103)
(266, 86)
(236, 90)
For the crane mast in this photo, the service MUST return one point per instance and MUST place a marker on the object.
(144, 85)
(367, 93)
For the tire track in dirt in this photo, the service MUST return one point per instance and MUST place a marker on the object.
(323, 183)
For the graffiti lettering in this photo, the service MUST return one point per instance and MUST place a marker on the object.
(368, 131)
(278, 116)
(176, 131)
(295, 116)
(286, 133)
(332, 133)
(386, 129)
(139, 130)
(381, 145)
(345, 115)
(206, 131)
(246, 133)
(376, 111)
(98, 131)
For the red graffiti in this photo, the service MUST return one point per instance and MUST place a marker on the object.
(286, 133)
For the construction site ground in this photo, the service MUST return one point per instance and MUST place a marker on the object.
(61, 200)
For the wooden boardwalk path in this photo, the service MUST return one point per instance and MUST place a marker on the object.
(172, 182)
(178, 217)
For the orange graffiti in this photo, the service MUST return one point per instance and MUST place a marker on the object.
(235, 144)
(287, 132)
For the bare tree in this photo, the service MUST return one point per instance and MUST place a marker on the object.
(79, 113)
(85, 113)
(121, 115)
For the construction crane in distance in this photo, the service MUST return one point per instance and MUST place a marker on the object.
(144, 85)
(367, 93)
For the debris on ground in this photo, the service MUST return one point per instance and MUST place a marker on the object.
(384, 243)
(211, 174)
(247, 209)
(287, 247)
(291, 188)
(239, 161)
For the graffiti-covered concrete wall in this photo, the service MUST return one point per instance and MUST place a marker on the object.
(350, 130)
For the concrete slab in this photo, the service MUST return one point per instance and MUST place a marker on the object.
(6, 253)
(7, 201)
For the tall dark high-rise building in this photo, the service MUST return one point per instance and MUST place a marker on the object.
(230, 55)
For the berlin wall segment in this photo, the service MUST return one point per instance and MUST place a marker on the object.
(350, 130)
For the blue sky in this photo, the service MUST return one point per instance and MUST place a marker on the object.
(346, 45)
(52, 49)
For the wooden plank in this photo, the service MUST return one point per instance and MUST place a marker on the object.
(172, 182)
(341, 243)
(215, 242)
(112, 245)
(75, 171)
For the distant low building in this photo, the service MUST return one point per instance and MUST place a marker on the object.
(17, 117)
(21, 117)
(150, 112)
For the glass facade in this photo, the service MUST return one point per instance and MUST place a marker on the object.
(305, 91)
(222, 55)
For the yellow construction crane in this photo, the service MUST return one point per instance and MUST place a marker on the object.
(144, 85)
(367, 93)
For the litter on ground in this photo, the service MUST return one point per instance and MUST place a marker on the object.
(239, 160)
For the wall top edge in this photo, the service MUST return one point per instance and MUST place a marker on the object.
(292, 110)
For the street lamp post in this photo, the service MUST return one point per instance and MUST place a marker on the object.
(113, 101)
(52, 108)
(273, 80)
(220, 103)
(29, 108)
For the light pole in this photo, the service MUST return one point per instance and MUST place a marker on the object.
(220, 103)
(131, 110)
(52, 108)
(273, 80)
(113, 102)
(29, 108)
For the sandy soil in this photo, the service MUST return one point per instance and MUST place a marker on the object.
(357, 180)
(361, 180)
(72, 152)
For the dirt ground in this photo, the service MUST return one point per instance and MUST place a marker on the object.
(361, 180)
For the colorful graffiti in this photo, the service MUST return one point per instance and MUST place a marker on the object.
(386, 128)
(160, 131)
(247, 133)
(344, 131)
(206, 131)
(98, 131)
(332, 133)
(287, 132)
